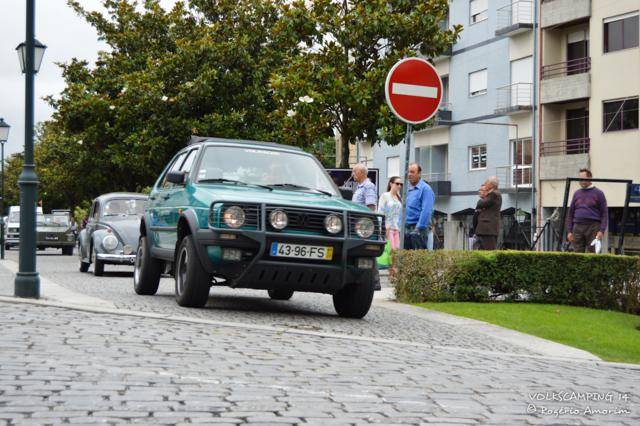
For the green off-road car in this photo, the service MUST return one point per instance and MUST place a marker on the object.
(256, 215)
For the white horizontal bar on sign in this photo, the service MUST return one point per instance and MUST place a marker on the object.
(414, 90)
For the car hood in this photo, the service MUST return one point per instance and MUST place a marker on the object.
(211, 193)
(127, 231)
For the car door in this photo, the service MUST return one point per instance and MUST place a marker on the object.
(163, 220)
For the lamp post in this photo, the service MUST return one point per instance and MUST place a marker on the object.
(4, 136)
(30, 53)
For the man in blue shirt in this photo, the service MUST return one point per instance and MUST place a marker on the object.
(366, 193)
(420, 202)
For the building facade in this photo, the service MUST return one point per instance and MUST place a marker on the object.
(589, 88)
(487, 77)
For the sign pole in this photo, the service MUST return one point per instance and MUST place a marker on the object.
(405, 187)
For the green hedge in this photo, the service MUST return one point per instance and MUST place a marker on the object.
(597, 281)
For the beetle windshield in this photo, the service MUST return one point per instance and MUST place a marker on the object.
(258, 166)
(122, 207)
(14, 217)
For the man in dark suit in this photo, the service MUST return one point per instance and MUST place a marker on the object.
(488, 209)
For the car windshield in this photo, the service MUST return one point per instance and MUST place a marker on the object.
(41, 220)
(257, 166)
(14, 217)
(52, 220)
(123, 207)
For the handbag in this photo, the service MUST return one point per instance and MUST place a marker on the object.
(384, 259)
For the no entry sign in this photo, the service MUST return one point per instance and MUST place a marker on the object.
(413, 90)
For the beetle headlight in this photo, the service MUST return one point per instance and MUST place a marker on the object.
(333, 224)
(279, 219)
(109, 242)
(364, 227)
(233, 217)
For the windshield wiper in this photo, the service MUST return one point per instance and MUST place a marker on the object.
(296, 186)
(237, 182)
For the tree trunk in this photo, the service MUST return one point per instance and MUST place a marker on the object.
(344, 151)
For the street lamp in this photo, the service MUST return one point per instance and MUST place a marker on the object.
(4, 136)
(22, 55)
(27, 283)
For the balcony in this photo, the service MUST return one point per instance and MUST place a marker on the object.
(439, 182)
(443, 117)
(514, 98)
(560, 13)
(560, 159)
(566, 81)
(515, 18)
(511, 177)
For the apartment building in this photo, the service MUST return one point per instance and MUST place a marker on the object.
(488, 77)
(589, 89)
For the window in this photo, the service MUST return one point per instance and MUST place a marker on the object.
(186, 167)
(521, 82)
(175, 166)
(445, 92)
(478, 83)
(478, 10)
(393, 166)
(621, 32)
(478, 157)
(521, 161)
(620, 115)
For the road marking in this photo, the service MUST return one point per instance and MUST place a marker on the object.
(414, 90)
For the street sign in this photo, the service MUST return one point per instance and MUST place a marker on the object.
(413, 90)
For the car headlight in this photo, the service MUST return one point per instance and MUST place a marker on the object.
(279, 219)
(109, 242)
(333, 224)
(364, 227)
(233, 217)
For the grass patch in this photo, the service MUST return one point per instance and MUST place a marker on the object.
(612, 336)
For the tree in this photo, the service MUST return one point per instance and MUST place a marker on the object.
(336, 84)
(12, 170)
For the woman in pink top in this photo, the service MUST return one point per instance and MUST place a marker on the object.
(390, 205)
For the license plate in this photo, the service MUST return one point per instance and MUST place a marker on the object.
(51, 238)
(301, 251)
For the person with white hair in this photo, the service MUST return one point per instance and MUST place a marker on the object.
(488, 210)
(366, 193)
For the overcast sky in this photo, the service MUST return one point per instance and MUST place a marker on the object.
(66, 36)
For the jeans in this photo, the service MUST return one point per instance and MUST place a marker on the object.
(417, 239)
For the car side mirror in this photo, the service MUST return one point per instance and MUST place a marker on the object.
(176, 177)
(346, 193)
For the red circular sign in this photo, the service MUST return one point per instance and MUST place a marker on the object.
(413, 90)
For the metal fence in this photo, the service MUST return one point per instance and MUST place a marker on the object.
(561, 69)
(565, 147)
(514, 96)
(518, 12)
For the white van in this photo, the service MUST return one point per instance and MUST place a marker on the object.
(13, 226)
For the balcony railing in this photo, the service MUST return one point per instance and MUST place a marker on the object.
(517, 16)
(566, 147)
(510, 176)
(436, 177)
(514, 97)
(440, 183)
(561, 69)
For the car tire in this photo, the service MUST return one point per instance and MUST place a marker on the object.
(279, 294)
(354, 300)
(67, 251)
(98, 266)
(7, 247)
(147, 270)
(192, 281)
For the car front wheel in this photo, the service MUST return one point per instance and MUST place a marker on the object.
(98, 266)
(280, 294)
(354, 300)
(192, 281)
(147, 270)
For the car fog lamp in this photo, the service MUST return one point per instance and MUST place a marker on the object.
(234, 217)
(279, 219)
(127, 250)
(109, 242)
(365, 263)
(70, 237)
(333, 224)
(364, 227)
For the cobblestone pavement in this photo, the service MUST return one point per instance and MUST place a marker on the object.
(60, 366)
(305, 311)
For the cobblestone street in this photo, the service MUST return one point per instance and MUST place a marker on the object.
(61, 366)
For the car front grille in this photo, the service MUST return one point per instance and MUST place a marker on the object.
(304, 220)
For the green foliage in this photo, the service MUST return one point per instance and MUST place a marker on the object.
(12, 170)
(81, 212)
(337, 82)
(598, 281)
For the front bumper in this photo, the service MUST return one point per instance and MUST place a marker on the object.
(257, 269)
(120, 259)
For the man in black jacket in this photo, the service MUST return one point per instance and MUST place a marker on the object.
(488, 211)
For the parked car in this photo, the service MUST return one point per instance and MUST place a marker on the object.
(54, 230)
(256, 215)
(12, 238)
(112, 231)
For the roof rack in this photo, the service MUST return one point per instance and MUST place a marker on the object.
(198, 139)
